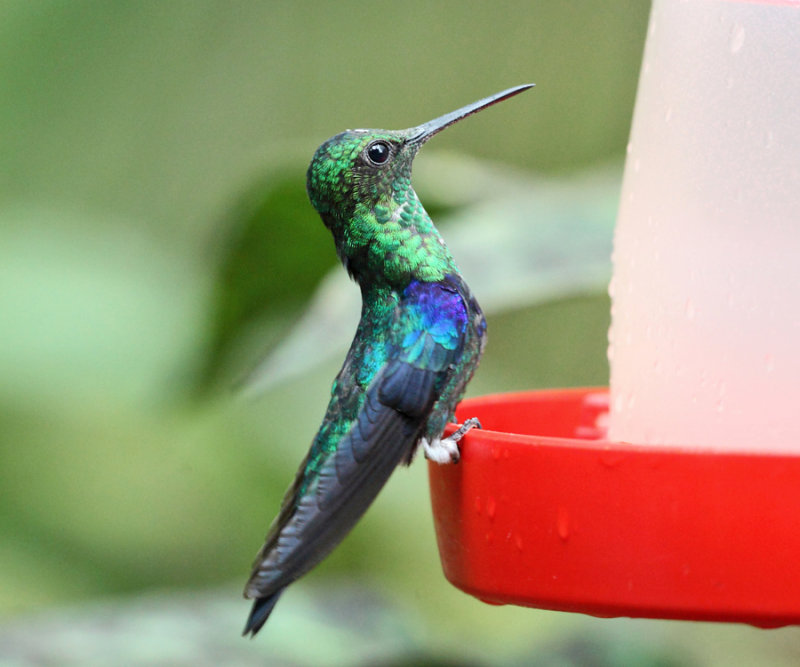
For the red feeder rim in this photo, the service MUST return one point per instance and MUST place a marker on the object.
(543, 512)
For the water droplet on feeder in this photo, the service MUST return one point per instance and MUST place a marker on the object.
(491, 507)
(562, 524)
(737, 37)
(611, 459)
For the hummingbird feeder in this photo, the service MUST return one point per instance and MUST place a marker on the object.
(675, 493)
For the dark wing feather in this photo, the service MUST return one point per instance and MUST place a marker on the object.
(346, 485)
(385, 432)
(407, 388)
(259, 614)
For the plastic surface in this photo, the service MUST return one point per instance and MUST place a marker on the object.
(705, 307)
(567, 521)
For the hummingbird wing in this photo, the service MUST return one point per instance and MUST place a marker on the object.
(328, 497)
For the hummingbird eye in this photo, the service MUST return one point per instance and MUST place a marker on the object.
(378, 152)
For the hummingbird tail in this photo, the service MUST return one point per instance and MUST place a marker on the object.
(259, 614)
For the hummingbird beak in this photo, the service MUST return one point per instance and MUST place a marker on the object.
(421, 134)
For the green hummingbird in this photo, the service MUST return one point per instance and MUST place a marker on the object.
(417, 345)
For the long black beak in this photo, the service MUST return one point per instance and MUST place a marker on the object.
(419, 135)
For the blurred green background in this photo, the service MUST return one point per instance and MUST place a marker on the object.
(156, 242)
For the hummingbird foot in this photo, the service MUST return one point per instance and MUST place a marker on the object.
(445, 450)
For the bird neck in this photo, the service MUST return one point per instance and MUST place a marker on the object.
(391, 243)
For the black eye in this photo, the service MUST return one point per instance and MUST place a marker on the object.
(378, 152)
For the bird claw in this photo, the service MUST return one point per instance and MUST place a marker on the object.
(468, 425)
(445, 450)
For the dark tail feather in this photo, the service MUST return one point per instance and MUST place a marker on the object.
(259, 614)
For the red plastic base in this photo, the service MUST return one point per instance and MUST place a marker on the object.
(562, 521)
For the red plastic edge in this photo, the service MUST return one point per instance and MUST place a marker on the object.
(565, 520)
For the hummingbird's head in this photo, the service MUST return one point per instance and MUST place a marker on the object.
(359, 169)
(360, 183)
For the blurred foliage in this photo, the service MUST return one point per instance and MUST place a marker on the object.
(155, 239)
(259, 276)
(163, 112)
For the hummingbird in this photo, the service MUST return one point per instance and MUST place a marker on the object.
(417, 344)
